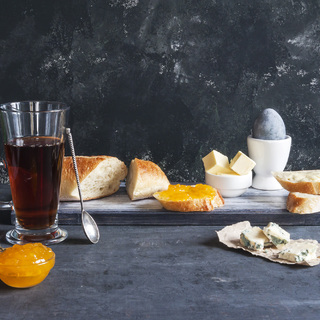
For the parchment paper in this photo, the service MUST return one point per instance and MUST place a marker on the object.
(230, 236)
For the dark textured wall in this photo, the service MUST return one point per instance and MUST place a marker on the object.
(168, 80)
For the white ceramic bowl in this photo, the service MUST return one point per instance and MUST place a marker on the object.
(229, 185)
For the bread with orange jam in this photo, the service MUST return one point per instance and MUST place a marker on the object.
(187, 198)
(144, 179)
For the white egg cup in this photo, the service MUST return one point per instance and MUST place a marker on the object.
(269, 155)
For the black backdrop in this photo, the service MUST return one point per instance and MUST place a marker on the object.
(168, 80)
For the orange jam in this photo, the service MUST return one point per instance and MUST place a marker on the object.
(179, 192)
(27, 265)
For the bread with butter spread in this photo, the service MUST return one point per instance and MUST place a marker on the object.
(99, 176)
(304, 181)
(144, 179)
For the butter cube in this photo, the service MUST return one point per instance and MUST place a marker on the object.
(216, 163)
(242, 164)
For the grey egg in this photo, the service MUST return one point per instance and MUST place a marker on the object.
(269, 126)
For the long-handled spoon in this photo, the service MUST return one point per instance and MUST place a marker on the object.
(89, 226)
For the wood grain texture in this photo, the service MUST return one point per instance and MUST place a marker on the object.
(259, 207)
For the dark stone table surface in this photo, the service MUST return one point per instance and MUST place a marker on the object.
(164, 272)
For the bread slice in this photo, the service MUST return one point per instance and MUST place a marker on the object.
(303, 203)
(190, 198)
(99, 177)
(304, 181)
(144, 179)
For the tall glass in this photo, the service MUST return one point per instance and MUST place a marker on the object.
(34, 138)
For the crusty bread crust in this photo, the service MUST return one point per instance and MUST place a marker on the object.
(304, 181)
(201, 204)
(99, 177)
(303, 203)
(144, 179)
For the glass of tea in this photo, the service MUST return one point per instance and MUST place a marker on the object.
(34, 138)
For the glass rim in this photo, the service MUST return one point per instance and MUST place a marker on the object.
(9, 106)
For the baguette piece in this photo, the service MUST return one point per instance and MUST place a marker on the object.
(144, 179)
(99, 177)
(303, 203)
(304, 181)
(190, 198)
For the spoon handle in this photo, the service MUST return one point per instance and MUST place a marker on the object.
(68, 132)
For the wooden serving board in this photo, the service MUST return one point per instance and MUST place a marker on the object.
(257, 206)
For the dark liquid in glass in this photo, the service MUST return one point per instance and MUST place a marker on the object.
(35, 166)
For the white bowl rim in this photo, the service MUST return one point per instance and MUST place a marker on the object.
(230, 176)
(270, 141)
